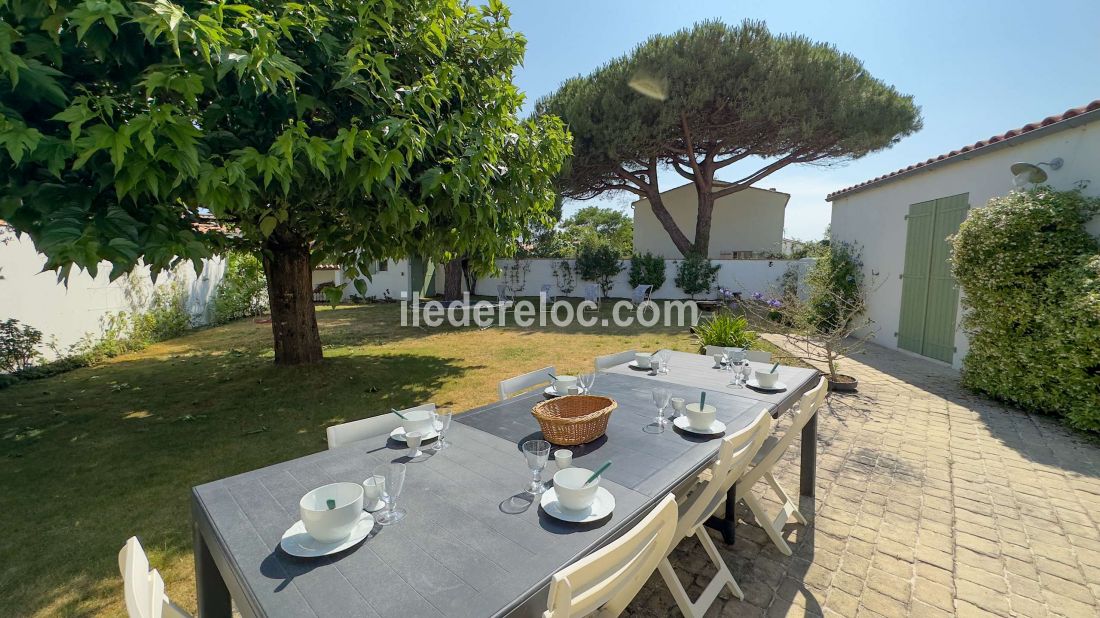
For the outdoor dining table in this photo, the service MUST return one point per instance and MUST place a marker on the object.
(472, 543)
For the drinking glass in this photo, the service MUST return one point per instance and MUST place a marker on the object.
(537, 453)
(665, 356)
(586, 381)
(661, 398)
(734, 370)
(394, 481)
(441, 420)
(413, 439)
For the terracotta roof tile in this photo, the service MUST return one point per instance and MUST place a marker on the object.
(1027, 128)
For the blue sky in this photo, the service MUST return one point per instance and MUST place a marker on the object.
(975, 67)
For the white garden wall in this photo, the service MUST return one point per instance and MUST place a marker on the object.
(66, 314)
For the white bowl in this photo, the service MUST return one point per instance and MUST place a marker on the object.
(700, 419)
(573, 494)
(642, 359)
(417, 420)
(332, 525)
(564, 383)
(766, 380)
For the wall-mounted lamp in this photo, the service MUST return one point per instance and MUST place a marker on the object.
(1030, 173)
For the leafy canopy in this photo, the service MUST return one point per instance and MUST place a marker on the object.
(372, 129)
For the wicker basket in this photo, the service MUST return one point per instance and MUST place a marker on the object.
(573, 419)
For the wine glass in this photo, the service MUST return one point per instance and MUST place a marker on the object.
(586, 381)
(394, 481)
(537, 453)
(665, 356)
(441, 420)
(661, 398)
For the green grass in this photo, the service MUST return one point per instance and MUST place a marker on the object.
(94, 456)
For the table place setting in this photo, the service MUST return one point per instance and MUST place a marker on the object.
(577, 496)
(563, 385)
(767, 381)
(656, 363)
(332, 520)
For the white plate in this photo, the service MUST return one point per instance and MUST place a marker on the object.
(681, 422)
(399, 435)
(601, 507)
(297, 542)
(550, 392)
(779, 386)
(634, 365)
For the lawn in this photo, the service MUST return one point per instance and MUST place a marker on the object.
(94, 456)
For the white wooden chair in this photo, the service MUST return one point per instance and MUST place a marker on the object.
(505, 295)
(762, 469)
(592, 293)
(603, 583)
(354, 431)
(641, 294)
(758, 356)
(610, 360)
(734, 456)
(548, 290)
(715, 349)
(538, 377)
(144, 588)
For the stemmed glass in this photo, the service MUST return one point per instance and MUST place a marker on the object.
(661, 398)
(734, 369)
(586, 381)
(394, 480)
(441, 420)
(537, 453)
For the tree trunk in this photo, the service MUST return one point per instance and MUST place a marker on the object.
(683, 245)
(452, 280)
(704, 216)
(290, 290)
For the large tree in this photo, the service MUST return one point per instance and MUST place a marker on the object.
(346, 130)
(715, 96)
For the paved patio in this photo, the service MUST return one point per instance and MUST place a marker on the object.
(930, 502)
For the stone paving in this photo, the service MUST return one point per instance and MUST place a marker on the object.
(931, 501)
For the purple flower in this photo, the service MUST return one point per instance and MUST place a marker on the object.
(775, 303)
(758, 296)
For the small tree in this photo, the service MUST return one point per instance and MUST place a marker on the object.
(18, 345)
(647, 269)
(242, 291)
(695, 274)
(598, 262)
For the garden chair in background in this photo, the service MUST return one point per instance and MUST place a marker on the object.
(641, 294)
(548, 290)
(143, 587)
(604, 582)
(354, 431)
(592, 293)
(758, 356)
(734, 456)
(762, 469)
(611, 360)
(519, 383)
(505, 295)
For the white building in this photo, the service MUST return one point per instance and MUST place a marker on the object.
(744, 224)
(902, 221)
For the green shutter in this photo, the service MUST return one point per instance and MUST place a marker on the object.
(914, 283)
(929, 299)
(943, 296)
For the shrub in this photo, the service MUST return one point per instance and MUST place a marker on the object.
(165, 317)
(723, 329)
(18, 346)
(833, 282)
(242, 291)
(695, 274)
(1030, 276)
(598, 262)
(647, 269)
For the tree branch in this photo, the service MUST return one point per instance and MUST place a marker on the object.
(747, 181)
(678, 166)
(691, 148)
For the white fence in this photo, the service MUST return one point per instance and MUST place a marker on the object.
(66, 314)
(745, 276)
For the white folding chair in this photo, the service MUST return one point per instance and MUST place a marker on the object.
(592, 293)
(505, 295)
(762, 469)
(144, 588)
(734, 456)
(758, 356)
(538, 377)
(354, 431)
(610, 360)
(603, 583)
(548, 290)
(641, 294)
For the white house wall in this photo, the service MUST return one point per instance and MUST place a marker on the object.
(391, 281)
(875, 218)
(66, 314)
(749, 220)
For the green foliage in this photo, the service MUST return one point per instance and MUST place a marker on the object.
(564, 277)
(598, 262)
(647, 269)
(594, 223)
(834, 282)
(366, 130)
(1030, 276)
(18, 346)
(242, 291)
(695, 274)
(723, 329)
